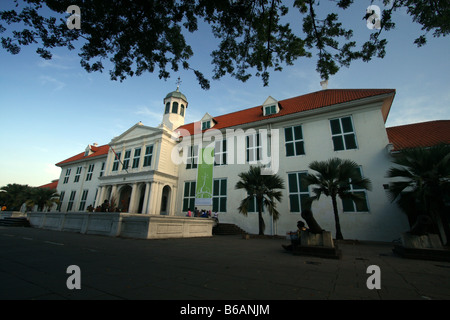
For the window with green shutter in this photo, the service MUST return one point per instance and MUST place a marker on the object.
(362, 205)
(219, 195)
(294, 143)
(343, 134)
(298, 191)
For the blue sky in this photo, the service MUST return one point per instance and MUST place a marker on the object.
(51, 110)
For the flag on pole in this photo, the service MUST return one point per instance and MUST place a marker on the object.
(117, 157)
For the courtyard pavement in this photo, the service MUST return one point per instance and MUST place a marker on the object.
(34, 262)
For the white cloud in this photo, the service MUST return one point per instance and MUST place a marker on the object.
(150, 114)
(55, 83)
(408, 109)
(57, 62)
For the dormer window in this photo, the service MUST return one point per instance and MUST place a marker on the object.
(268, 110)
(270, 106)
(87, 151)
(206, 124)
(207, 121)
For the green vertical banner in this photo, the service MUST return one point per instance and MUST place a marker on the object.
(204, 189)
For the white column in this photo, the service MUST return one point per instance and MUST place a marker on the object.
(114, 194)
(146, 197)
(114, 191)
(100, 193)
(151, 204)
(159, 198)
(173, 200)
(132, 206)
(156, 198)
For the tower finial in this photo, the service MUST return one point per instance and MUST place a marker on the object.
(178, 83)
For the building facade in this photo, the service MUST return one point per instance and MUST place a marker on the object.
(155, 170)
(79, 179)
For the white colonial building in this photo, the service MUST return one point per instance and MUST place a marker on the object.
(79, 179)
(155, 170)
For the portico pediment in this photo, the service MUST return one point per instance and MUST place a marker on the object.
(136, 132)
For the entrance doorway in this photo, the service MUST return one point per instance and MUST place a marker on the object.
(124, 198)
(141, 199)
(165, 203)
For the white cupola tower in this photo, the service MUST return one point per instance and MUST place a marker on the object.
(175, 105)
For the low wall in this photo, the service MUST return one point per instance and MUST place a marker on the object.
(11, 214)
(141, 226)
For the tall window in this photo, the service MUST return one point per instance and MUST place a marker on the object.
(77, 174)
(116, 162)
(175, 107)
(148, 156)
(356, 206)
(83, 200)
(219, 195)
(252, 205)
(192, 157)
(189, 196)
(298, 191)
(89, 173)
(167, 107)
(253, 148)
(61, 198)
(71, 199)
(102, 170)
(136, 157)
(182, 110)
(220, 153)
(293, 137)
(343, 134)
(126, 160)
(66, 178)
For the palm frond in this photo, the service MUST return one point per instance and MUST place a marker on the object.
(266, 188)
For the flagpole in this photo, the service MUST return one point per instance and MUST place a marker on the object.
(117, 157)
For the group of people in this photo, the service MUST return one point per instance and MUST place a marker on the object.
(201, 213)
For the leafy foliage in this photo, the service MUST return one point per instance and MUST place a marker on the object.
(424, 182)
(14, 195)
(43, 198)
(333, 178)
(138, 36)
(263, 188)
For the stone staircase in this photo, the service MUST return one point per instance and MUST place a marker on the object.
(14, 222)
(227, 229)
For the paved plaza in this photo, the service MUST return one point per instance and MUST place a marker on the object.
(34, 262)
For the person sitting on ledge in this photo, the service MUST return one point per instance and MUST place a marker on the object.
(295, 239)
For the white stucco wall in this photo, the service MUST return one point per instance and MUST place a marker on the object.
(383, 222)
(82, 184)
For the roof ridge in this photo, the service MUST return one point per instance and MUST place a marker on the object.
(345, 96)
(417, 123)
(80, 156)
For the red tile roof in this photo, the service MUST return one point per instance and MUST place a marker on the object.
(51, 185)
(423, 134)
(96, 152)
(302, 103)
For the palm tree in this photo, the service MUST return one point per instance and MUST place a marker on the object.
(263, 189)
(43, 197)
(425, 178)
(14, 195)
(334, 178)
